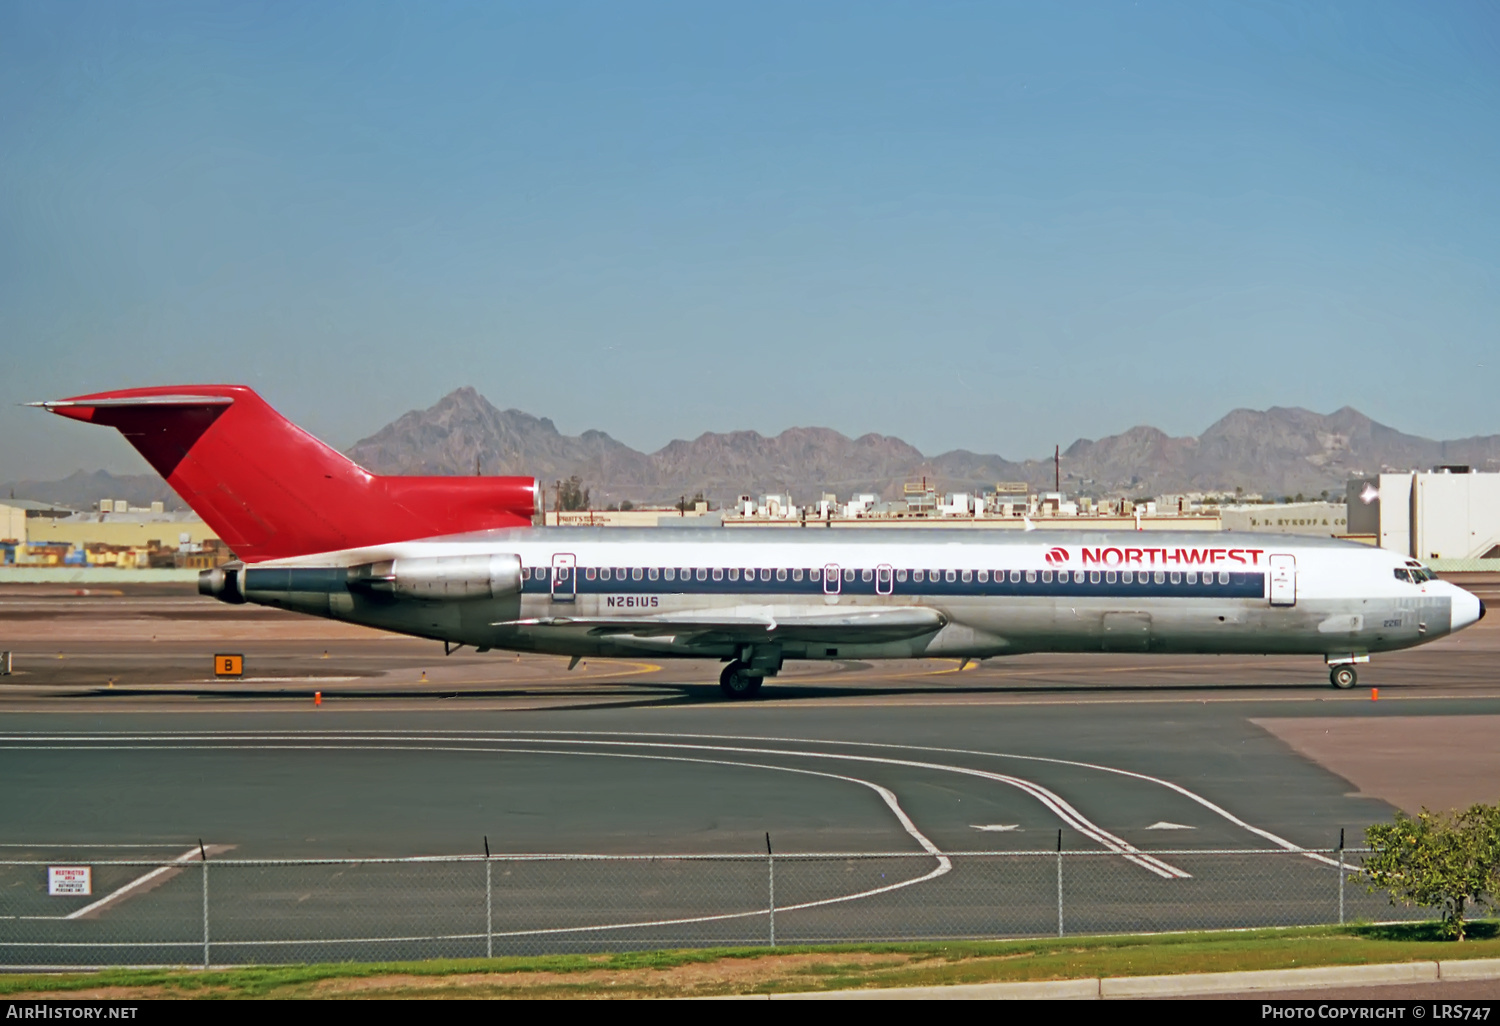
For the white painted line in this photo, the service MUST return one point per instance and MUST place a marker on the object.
(1053, 802)
(1218, 810)
(1164, 825)
(997, 828)
(134, 885)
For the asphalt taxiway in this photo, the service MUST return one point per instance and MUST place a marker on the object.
(116, 732)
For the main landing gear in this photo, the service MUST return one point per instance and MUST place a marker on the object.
(737, 683)
(1343, 677)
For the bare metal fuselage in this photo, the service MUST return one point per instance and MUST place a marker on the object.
(820, 594)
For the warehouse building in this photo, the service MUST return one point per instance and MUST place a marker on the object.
(1449, 514)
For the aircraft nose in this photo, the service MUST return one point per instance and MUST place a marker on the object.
(1467, 609)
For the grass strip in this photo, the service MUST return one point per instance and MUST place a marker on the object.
(707, 972)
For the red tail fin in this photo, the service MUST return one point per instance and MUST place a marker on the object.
(270, 489)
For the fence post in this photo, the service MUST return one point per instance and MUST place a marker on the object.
(1059, 884)
(489, 904)
(203, 855)
(1341, 876)
(771, 871)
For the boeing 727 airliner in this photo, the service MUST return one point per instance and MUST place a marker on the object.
(455, 560)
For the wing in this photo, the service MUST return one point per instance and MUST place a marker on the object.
(712, 626)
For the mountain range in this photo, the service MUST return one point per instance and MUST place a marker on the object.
(1276, 452)
(1280, 451)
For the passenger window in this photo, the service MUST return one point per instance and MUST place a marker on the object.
(589, 574)
(1109, 577)
(1077, 576)
(604, 573)
(967, 576)
(1192, 577)
(949, 576)
(1176, 577)
(1223, 577)
(849, 575)
(815, 575)
(1093, 577)
(1015, 577)
(619, 573)
(918, 576)
(765, 574)
(562, 573)
(796, 573)
(781, 573)
(901, 576)
(1046, 576)
(718, 573)
(702, 574)
(670, 573)
(734, 573)
(1031, 577)
(635, 573)
(1126, 576)
(984, 576)
(866, 576)
(1161, 578)
(653, 573)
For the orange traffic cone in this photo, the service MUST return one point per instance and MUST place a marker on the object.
(1374, 694)
(317, 698)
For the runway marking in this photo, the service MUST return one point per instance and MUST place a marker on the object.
(121, 893)
(1280, 842)
(1218, 810)
(1164, 825)
(1049, 799)
(944, 864)
(997, 828)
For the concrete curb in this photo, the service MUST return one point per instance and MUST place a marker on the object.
(1186, 985)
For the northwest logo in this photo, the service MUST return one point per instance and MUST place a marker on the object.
(1057, 555)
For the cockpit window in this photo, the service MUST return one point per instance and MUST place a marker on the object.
(1415, 574)
(1403, 574)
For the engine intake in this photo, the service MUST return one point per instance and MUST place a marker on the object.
(442, 578)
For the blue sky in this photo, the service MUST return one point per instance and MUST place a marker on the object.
(983, 225)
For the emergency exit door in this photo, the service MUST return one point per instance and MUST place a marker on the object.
(1283, 580)
(564, 577)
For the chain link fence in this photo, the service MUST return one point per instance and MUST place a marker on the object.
(196, 909)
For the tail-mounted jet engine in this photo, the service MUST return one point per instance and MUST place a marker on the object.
(441, 578)
(434, 578)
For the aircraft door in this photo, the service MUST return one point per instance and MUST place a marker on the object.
(564, 577)
(832, 579)
(885, 577)
(1283, 580)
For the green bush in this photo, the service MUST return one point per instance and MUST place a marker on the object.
(1449, 861)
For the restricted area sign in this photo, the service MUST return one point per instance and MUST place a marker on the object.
(229, 665)
(70, 880)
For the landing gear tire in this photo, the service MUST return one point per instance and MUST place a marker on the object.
(1343, 677)
(737, 684)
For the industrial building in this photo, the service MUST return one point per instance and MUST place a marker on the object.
(1315, 519)
(42, 534)
(1450, 514)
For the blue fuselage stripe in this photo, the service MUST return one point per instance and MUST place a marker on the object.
(1239, 585)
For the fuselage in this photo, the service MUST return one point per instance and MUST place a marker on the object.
(987, 593)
